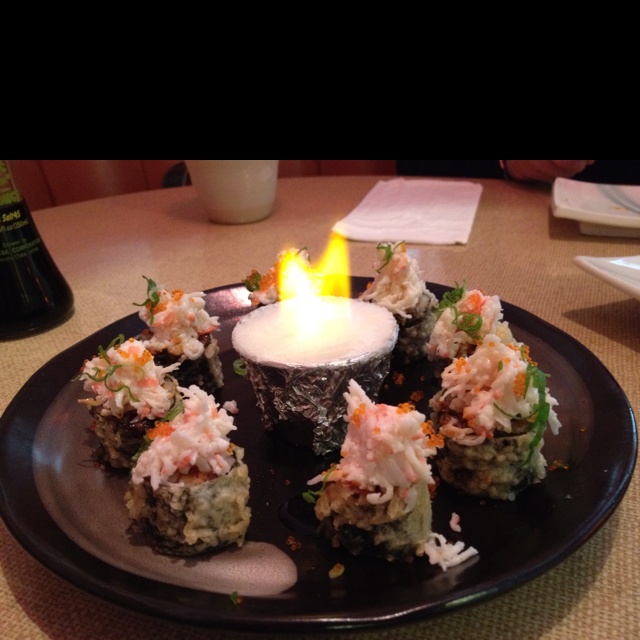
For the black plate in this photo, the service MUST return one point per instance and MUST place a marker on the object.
(42, 445)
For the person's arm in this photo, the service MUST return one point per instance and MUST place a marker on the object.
(543, 170)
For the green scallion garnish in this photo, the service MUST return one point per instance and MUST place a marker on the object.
(146, 443)
(451, 298)
(153, 298)
(539, 415)
(470, 323)
(240, 367)
(388, 250)
(176, 410)
(252, 281)
(541, 409)
(312, 496)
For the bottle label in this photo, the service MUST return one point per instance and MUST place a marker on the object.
(8, 192)
(17, 239)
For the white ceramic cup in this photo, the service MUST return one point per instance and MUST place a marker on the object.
(235, 191)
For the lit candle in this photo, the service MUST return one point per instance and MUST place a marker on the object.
(301, 354)
(314, 331)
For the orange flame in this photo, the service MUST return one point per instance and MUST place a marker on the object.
(297, 278)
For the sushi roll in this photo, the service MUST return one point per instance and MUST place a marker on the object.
(265, 288)
(376, 500)
(492, 411)
(180, 330)
(464, 317)
(399, 287)
(189, 488)
(129, 391)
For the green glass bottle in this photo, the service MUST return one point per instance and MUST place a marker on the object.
(34, 296)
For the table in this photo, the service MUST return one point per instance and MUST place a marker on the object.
(517, 250)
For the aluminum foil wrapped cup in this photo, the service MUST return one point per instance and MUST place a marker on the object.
(300, 356)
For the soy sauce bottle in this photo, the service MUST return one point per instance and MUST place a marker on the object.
(34, 296)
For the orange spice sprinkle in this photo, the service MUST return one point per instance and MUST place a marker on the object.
(267, 280)
(176, 294)
(416, 396)
(460, 364)
(356, 416)
(141, 358)
(398, 378)
(405, 407)
(427, 428)
(518, 384)
(293, 544)
(435, 439)
(160, 429)
(474, 302)
(525, 352)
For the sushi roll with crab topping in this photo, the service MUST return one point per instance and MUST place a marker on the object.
(264, 288)
(129, 391)
(376, 500)
(464, 318)
(399, 287)
(189, 487)
(492, 410)
(182, 331)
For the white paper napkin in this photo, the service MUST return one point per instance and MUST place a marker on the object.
(414, 210)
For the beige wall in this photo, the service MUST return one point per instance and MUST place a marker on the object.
(47, 183)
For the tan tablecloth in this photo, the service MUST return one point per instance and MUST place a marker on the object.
(517, 250)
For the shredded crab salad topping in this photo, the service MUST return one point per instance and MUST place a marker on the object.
(263, 288)
(464, 318)
(398, 285)
(177, 320)
(488, 390)
(193, 442)
(386, 447)
(447, 554)
(124, 377)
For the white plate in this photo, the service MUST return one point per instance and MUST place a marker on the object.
(622, 273)
(601, 209)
